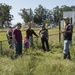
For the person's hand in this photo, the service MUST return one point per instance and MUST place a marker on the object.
(37, 36)
(47, 38)
(62, 31)
(15, 42)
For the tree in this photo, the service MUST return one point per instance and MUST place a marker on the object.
(5, 16)
(26, 14)
(56, 14)
(41, 14)
(65, 8)
(73, 8)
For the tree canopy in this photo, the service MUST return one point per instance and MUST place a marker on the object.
(42, 14)
(5, 16)
(39, 15)
(26, 14)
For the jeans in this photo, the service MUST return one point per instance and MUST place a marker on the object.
(44, 41)
(11, 43)
(66, 50)
(18, 48)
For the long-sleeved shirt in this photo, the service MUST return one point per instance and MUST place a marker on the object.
(18, 35)
(30, 32)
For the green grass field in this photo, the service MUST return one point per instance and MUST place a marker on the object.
(38, 62)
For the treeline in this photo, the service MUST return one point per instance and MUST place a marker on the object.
(5, 16)
(39, 15)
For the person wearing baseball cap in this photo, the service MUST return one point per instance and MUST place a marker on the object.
(67, 34)
(65, 18)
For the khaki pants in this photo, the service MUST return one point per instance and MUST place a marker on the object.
(30, 41)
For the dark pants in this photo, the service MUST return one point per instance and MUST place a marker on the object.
(18, 49)
(44, 41)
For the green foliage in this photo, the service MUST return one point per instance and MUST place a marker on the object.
(38, 62)
(41, 14)
(26, 14)
(5, 16)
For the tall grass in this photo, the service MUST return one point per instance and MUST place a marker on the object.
(38, 62)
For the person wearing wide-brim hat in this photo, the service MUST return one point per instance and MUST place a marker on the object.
(67, 34)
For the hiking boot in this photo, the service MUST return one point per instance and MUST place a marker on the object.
(65, 56)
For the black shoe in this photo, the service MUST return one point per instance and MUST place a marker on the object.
(65, 56)
(69, 57)
(48, 50)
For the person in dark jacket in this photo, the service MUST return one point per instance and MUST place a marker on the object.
(29, 34)
(44, 37)
(67, 34)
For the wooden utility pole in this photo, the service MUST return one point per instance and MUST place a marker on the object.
(59, 31)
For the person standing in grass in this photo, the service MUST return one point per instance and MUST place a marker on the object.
(44, 37)
(29, 35)
(67, 33)
(26, 44)
(10, 38)
(17, 37)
